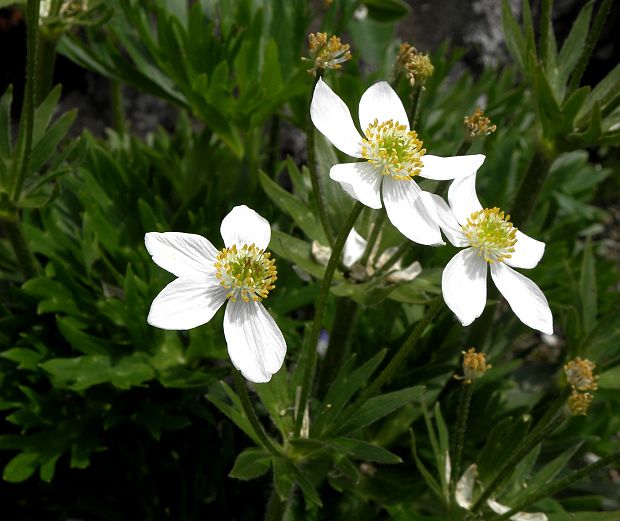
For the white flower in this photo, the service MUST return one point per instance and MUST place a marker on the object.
(241, 273)
(490, 240)
(394, 157)
(465, 492)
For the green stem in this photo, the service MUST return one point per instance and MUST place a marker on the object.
(560, 484)
(116, 101)
(525, 201)
(545, 27)
(274, 145)
(416, 94)
(339, 342)
(397, 361)
(275, 507)
(467, 390)
(314, 176)
(508, 467)
(25, 259)
(27, 119)
(46, 60)
(588, 48)
(242, 390)
(374, 235)
(310, 346)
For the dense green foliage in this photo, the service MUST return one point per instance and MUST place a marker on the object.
(108, 418)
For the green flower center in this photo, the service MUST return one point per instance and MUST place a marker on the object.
(247, 272)
(491, 234)
(394, 149)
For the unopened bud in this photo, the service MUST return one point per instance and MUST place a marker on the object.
(478, 125)
(579, 403)
(326, 53)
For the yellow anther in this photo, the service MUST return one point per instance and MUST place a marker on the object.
(580, 376)
(417, 66)
(579, 403)
(326, 53)
(478, 125)
(393, 148)
(474, 365)
(248, 272)
(491, 234)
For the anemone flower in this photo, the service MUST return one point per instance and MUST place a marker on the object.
(241, 273)
(393, 157)
(490, 240)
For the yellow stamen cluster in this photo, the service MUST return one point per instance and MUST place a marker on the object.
(393, 148)
(580, 376)
(478, 125)
(247, 272)
(491, 234)
(579, 403)
(416, 65)
(474, 365)
(326, 53)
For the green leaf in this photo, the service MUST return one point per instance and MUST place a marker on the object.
(44, 112)
(26, 358)
(85, 371)
(387, 10)
(428, 477)
(21, 467)
(546, 474)
(250, 464)
(50, 140)
(573, 45)
(296, 209)
(295, 251)
(514, 37)
(359, 449)
(588, 289)
(603, 93)
(380, 406)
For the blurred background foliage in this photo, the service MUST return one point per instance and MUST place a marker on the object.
(107, 418)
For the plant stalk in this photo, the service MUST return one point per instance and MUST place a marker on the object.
(508, 467)
(321, 304)
(25, 259)
(46, 61)
(397, 361)
(314, 175)
(560, 484)
(414, 111)
(275, 507)
(467, 391)
(118, 113)
(374, 235)
(545, 26)
(242, 389)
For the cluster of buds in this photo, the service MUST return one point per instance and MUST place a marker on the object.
(474, 366)
(415, 65)
(581, 378)
(326, 53)
(478, 125)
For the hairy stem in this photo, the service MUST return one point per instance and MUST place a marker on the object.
(508, 467)
(374, 235)
(25, 259)
(242, 390)
(397, 361)
(314, 175)
(560, 484)
(414, 111)
(545, 27)
(321, 304)
(467, 390)
(275, 507)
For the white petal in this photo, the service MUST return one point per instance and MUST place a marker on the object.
(380, 102)
(407, 212)
(444, 168)
(445, 218)
(498, 508)
(524, 297)
(255, 344)
(528, 252)
(464, 285)
(362, 181)
(406, 274)
(353, 248)
(243, 225)
(185, 304)
(463, 199)
(332, 118)
(464, 493)
(182, 254)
